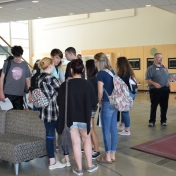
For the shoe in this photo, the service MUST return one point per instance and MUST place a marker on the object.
(95, 155)
(125, 133)
(121, 127)
(57, 165)
(63, 161)
(76, 171)
(82, 150)
(151, 124)
(93, 168)
(164, 124)
(57, 148)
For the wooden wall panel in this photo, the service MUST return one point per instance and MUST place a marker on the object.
(137, 52)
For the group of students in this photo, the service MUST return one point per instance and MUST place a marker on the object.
(84, 98)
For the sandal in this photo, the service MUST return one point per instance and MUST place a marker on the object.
(113, 160)
(103, 160)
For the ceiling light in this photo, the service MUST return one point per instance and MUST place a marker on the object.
(71, 13)
(20, 9)
(35, 1)
(39, 17)
(0, 7)
(148, 5)
(107, 10)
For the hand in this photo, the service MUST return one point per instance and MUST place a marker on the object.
(69, 78)
(157, 85)
(2, 97)
(100, 104)
(30, 98)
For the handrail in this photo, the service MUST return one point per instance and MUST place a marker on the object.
(11, 47)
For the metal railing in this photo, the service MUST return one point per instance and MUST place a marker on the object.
(9, 52)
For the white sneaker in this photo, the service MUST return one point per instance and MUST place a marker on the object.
(57, 165)
(63, 161)
(127, 133)
(121, 127)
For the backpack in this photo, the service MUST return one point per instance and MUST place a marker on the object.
(38, 97)
(120, 98)
(133, 85)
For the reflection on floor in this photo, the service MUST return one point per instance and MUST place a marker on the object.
(129, 162)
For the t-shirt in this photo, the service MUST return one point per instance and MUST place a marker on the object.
(94, 81)
(108, 83)
(126, 79)
(157, 74)
(68, 72)
(16, 78)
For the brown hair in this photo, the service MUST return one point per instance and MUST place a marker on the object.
(103, 61)
(77, 66)
(124, 67)
(45, 63)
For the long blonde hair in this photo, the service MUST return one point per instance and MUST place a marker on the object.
(103, 61)
(45, 63)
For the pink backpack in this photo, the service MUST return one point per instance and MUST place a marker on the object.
(120, 97)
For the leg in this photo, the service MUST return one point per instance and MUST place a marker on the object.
(164, 103)
(106, 117)
(76, 141)
(114, 136)
(19, 103)
(154, 98)
(87, 146)
(94, 137)
(50, 135)
(16, 167)
(126, 119)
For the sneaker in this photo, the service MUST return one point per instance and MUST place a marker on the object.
(76, 171)
(63, 161)
(93, 168)
(57, 165)
(151, 124)
(95, 155)
(82, 150)
(124, 132)
(164, 124)
(121, 127)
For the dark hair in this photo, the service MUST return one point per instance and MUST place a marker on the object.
(91, 68)
(55, 52)
(71, 50)
(17, 51)
(36, 67)
(9, 58)
(77, 66)
(124, 67)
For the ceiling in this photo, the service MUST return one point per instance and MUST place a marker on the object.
(16, 10)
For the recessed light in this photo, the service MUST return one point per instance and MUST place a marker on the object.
(0, 7)
(20, 9)
(107, 10)
(148, 5)
(71, 13)
(35, 1)
(39, 17)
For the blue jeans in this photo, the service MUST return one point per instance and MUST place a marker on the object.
(109, 127)
(126, 115)
(50, 135)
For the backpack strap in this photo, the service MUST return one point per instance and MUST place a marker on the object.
(7, 70)
(109, 72)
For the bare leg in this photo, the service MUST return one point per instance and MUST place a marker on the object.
(76, 142)
(87, 146)
(52, 161)
(94, 137)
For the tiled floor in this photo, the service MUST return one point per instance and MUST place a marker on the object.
(129, 162)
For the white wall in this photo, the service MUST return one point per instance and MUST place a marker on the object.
(147, 26)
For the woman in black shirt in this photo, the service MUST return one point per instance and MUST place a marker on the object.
(125, 71)
(92, 77)
(81, 100)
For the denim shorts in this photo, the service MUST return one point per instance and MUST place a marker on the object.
(79, 125)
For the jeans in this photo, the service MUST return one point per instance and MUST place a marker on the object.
(126, 115)
(109, 127)
(50, 136)
(161, 97)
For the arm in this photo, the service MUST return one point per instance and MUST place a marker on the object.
(2, 97)
(100, 92)
(28, 83)
(61, 75)
(154, 84)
